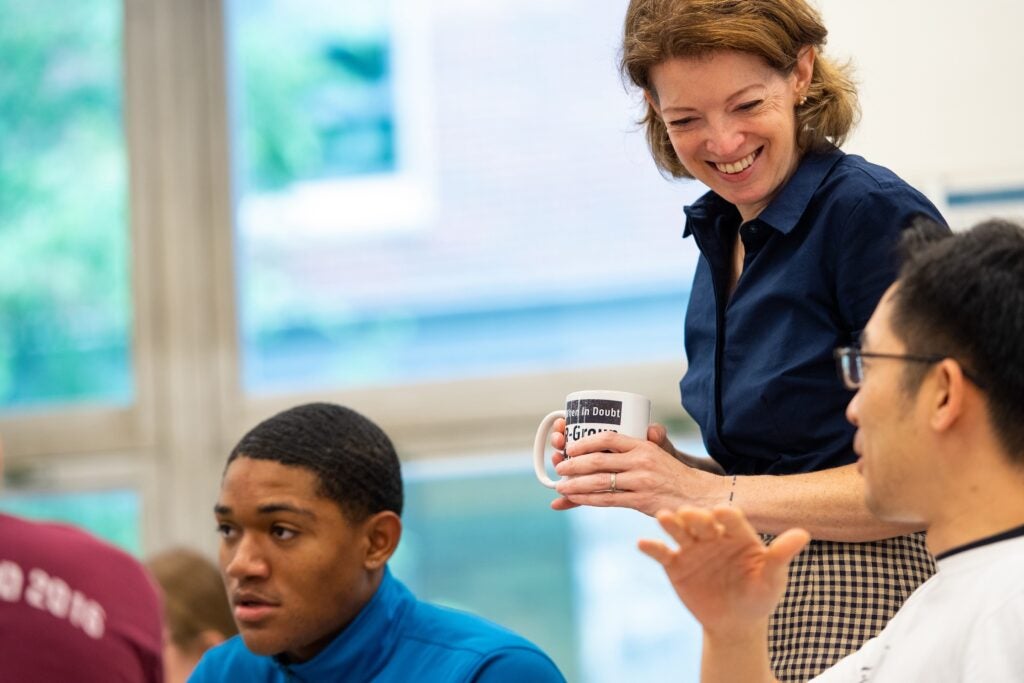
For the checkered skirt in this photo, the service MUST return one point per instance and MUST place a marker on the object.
(839, 596)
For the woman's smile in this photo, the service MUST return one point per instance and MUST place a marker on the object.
(735, 168)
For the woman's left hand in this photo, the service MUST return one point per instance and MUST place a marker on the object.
(613, 470)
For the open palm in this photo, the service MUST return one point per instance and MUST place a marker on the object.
(722, 571)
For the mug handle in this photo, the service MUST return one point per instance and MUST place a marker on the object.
(540, 445)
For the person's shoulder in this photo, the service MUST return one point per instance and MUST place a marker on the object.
(856, 176)
(463, 629)
(62, 541)
(501, 649)
(49, 531)
(231, 660)
(14, 525)
(986, 601)
(870, 197)
(515, 665)
(997, 567)
(984, 583)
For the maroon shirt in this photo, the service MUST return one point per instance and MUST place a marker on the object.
(74, 608)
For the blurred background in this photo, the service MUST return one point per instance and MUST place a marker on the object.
(441, 213)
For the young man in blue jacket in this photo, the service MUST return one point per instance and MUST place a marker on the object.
(309, 514)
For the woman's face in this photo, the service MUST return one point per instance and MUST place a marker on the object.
(732, 122)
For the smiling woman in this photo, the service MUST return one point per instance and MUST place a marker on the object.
(730, 121)
(797, 245)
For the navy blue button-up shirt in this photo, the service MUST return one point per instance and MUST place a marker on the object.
(761, 382)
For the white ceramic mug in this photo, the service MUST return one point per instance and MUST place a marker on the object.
(590, 412)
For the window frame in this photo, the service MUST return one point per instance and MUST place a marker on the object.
(189, 407)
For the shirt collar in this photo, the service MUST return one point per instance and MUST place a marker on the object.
(1015, 532)
(785, 210)
(365, 645)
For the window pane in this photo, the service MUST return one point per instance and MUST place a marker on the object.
(112, 515)
(64, 286)
(486, 542)
(479, 536)
(437, 190)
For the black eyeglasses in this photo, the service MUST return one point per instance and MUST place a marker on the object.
(850, 364)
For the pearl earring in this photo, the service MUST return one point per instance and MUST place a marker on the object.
(803, 99)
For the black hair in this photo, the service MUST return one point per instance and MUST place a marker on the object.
(961, 295)
(353, 459)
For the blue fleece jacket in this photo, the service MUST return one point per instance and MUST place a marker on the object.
(395, 639)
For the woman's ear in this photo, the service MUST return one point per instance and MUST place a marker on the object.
(383, 531)
(652, 100)
(804, 70)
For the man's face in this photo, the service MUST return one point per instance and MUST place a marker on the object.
(888, 441)
(294, 566)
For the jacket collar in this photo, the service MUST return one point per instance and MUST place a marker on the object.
(365, 645)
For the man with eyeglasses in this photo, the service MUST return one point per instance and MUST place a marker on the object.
(939, 412)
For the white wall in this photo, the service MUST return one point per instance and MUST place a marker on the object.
(941, 87)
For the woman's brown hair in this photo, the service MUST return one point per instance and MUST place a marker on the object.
(194, 596)
(774, 30)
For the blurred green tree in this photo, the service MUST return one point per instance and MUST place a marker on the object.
(316, 103)
(65, 313)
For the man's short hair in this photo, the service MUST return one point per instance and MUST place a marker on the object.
(353, 459)
(961, 296)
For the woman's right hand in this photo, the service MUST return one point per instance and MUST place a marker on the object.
(656, 433)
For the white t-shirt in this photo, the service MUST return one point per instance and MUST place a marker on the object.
(966, 623)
